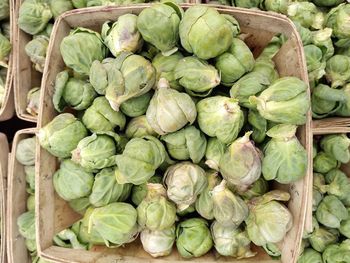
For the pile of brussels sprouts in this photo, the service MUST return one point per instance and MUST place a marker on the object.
(154, 129)
(329, 241)
(5, 45)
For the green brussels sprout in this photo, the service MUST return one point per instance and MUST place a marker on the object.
(82, 47)
(327, 3)
(75, 93)
(246, 158)
(112, 225)
(193, 238)
(122, 35)
(314, 57)
(196, 76)
(215, 149)
(4, 9)
(317, 197)
(101, 117)
(156, 212)
(62, 135)
(322, 237)
(344, 109)
(285, 101)
(304, 33)
(30, 176)
(5, 48)
(205, 33)
(235, 62)
(187, 143)
(184, 182)
(6, 28)
(323, 163)
(31, 245)
(246, 4)
(307, 14)
(165, 66)
(272, 48)
(33, 16)
(106, 190)
(315, 225)
(140, 159)
(183, 109)
(278, 6)
(285, 159)
(25, 152)
(220, 117)
(58, 7)
(46, 32)
(135, 77)
(344, 228)
(159, 25)
(338, 185)
(267, 67)
(71, 181)
(139, 127)
(31, 203)
(68, 239)
(337, 253)
(258, 188)
(139, 192)
(231, 241)
(272, 230)
(97, 151)
(337, 19)
(273, 250)
(26, 224)
(337, 145)
(319, 188)
(136, 106)
(259, 125)
(310, 256)
(338, 70)
(322, 39)
(331, 212)
(79, 3)
(229, 209)
(158, 243)
(204, 203)
(33, 101)
(80, 205)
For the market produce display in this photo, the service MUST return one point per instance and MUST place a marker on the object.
(5, 46)
(329, 241)
(150, 123)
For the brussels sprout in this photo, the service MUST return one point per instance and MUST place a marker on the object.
(278, 6)
(310, 256)
(6, 28)
(136, 76)
(323, 163)
(68, 239)
(75, 93)
(159, 25)
(215, 149)
(196, 76)
(220, 117)
(62, 135)
(106, 190)
(317, 197)
(34, 16)
(183, 109)
(31, 245)
(139, 160)
(25, 152)
(229, 209)
(344, 109)
(136, 106)
(337, 253)
(26, 224)
(322, 39)
(158, 243)
(307, 14)
(165, 66)
(58, 7)
(184, 182)
(338, 70)
(204, 203)
(258, 188)
(30, 176)
(234, 63)
(33, 101)
(327, 3)
(187, 143)
(344, 228)
(268, 220)
(111, 225)
(4, 9)
(80, 205)
(79, 3)
(193, 238)
(31, 203)
(156, 212)
(304, 33)
(322, 237)
(97, 151)
(5, 48)
(259, 126)
(331, 212)
(285, 101)
(101, 117)
(246, 158)
(82, 47)
(122, 35)
(205, 33)
(285, 158)
(246, 4)
(337, 19)
(139, 192)
(314, 56)
(273, 250)
(338, 185)
(71, 181)
(337, 145)
(139, 127)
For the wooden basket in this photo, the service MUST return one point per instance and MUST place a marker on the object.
(54, 214)
(4, 154)
(17, 202)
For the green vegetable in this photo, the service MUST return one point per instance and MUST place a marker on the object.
(337, 145)
(338, 70)
(258, 188)
(337, 253)
(5, 48)
(322, 237)
(139, 192)
(139, 127)
(331, 212)
(136, 106)
(307, 14)
(323, 163)
(344, 228)
(58, 7)
(158, 243)
(4, 9)
(33, 101)
(25, 152)
(80, 205)
(26, 224)
(215, 149)
(338, 185)
(310, 256)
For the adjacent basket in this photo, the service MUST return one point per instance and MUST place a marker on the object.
(17, 202)
(4, 154)
(54, 214)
